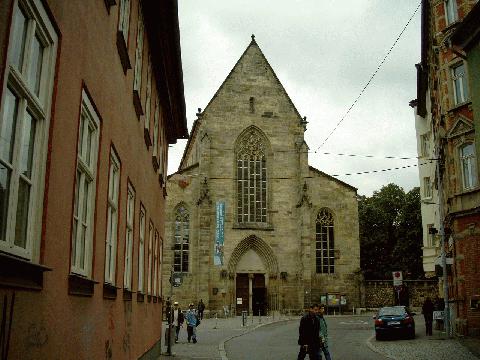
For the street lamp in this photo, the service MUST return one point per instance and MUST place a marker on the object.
(442, 242)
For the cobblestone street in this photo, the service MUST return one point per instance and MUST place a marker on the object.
(216, 335)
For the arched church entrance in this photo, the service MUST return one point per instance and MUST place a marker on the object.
(255, 268)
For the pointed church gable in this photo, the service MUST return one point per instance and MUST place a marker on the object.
(251, 77)
(461, 127)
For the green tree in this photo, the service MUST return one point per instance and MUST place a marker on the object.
(390, 233)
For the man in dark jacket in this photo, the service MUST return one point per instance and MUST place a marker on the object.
(308, 338)
(427, 310)
(201, 308)
(177, 319)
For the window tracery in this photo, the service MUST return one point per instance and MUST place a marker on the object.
(324, 243)
(251, 178)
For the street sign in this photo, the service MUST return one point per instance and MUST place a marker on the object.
(176, 279)
(397, 278)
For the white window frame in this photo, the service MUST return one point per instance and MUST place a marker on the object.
(424, 145)
(148, 95)
(155, 128)
(150, 258)
(137, 79)
(430, 237)
(155, 265)
(451, 11)
(124, 18)
(468, 163)
(38, 106)
(141, 250)
(427, 188)
(127, 277)
(86, 179)
(160, 258)
(463, 96)
(112, 218)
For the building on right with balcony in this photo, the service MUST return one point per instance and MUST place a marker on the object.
(447, 112)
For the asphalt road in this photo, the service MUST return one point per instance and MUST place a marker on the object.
(347, 340)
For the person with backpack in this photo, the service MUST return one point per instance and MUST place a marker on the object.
(192, 323)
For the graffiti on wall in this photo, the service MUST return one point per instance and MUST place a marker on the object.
(108, 349)
(36, 335)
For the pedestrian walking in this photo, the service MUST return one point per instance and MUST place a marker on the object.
(323, 334)
(178, 319)
(308, 335)
(192, 322)
(427, 311)
(201, 307)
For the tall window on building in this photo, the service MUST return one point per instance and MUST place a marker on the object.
(469, 168)
(155, 265)
(451, 13)
(155, 130)
(181, 247)
(141, 251)
(324, 243)
(251, 178)
(127, 275)
(427, 187)
(424, 146)
(124, 18)
(112, 218)
(85, 184)
(24, 126)
(150, 258)
(148, 98)
(430, 236)
(460, 85)
(137, 79)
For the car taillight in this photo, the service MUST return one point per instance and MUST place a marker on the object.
(408, 320)
(378, 322)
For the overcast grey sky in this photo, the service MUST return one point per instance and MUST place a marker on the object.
(323, 52)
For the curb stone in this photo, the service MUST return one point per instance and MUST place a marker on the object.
(375, 349)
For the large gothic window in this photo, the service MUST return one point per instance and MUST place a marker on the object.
(181, 247)
(324, 243)
(251, 178)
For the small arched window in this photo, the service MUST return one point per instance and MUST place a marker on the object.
(469, 169)
(324, 243)
(181, 247)
(251, 178)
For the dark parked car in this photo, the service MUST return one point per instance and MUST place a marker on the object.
(394, 320)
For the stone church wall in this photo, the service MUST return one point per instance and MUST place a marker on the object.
(252, 101)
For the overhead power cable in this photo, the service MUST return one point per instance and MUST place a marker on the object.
(335, 154)
(379, 171)
(371, 77)
(369, 156)
(335, 175)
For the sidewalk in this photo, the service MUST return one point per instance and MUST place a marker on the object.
(423, 347)
(211, 335)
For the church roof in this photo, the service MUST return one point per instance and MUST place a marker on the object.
(332, 178)
(195, 125)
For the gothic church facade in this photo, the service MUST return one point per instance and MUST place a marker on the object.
(249, 224)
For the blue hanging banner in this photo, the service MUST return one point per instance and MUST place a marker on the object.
(219, 233)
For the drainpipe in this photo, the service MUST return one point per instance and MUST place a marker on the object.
(442, 246)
